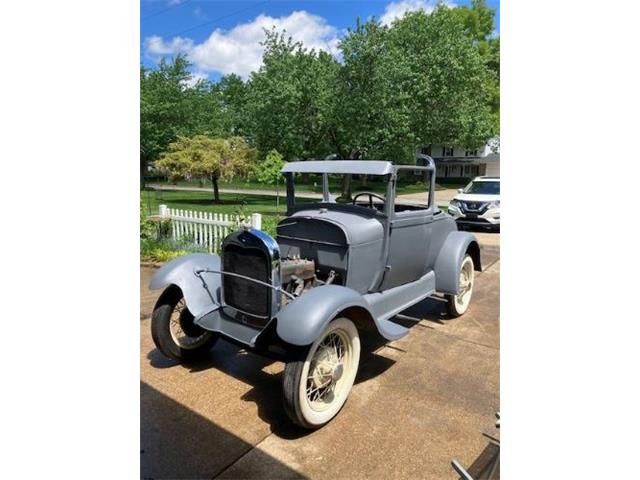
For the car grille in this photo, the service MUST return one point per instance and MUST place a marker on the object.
(474, 207)
(239, 293)
(473, 220)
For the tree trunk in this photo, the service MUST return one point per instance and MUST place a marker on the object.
(346, 188)
(216, 193)
(346, 181)
(143, 172)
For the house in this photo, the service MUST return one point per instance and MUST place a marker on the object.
(458, 163)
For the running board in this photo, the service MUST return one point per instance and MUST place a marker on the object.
(384, 305)
(391, 330)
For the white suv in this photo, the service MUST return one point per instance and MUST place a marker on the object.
(478, 204)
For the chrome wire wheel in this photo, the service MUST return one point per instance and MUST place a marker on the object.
(173, 330)
(325, 377)
(316, 387)
(184, 332)
(459, 303)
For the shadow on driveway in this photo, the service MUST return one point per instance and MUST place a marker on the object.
(266, 388)
(176, 442)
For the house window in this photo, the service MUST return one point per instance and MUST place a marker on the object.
(427, 150)
(471, 153)
(447, 151)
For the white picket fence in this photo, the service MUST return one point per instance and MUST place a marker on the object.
(205, 229)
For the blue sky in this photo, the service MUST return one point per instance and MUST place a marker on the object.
(221, 37)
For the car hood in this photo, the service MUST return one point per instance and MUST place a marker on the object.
(357, 229)
(475, 197)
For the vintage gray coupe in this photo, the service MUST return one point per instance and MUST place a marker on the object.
(332, 270)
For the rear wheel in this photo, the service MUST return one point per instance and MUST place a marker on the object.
(317, 386)
(173, 330)
(458, 304)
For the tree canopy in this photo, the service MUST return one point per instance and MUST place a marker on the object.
(289, 97)
(426, 78)
(213, 158)
(269, 169)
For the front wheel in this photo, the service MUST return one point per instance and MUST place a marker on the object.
(458, 304)
(173, 330)
(317, 386)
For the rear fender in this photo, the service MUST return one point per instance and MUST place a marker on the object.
(303, 320)
(202, 295)
(449, 260)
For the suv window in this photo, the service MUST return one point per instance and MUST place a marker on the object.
(485, 188)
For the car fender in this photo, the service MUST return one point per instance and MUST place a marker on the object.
(303, 320)
(449, 260)
(201, 293)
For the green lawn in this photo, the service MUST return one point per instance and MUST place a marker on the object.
(232, 204)
(335, 186)
(203, 201)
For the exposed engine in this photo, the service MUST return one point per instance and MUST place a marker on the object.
(299, 276)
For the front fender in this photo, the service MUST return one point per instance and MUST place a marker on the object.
(449, 260)
(181, 272)
(302, 321)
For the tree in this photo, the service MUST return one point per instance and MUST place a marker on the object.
(478, 21)
(422, 80)
(270, 171)
(369, 119)
(233, 92)
(441, 79)
(288, 97)
(427, 78)
(170, 106)
(213, 158)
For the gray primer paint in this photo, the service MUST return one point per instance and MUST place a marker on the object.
(181, 272)
(392, 260)
(449, 261)
(358, 167)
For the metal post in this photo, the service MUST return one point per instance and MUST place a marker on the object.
(290, 191)
(256, 221)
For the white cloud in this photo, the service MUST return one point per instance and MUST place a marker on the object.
(175, 2)
(195, 78)
(155, 45)
(398, 9)
(239, 51)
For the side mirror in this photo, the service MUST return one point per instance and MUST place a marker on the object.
(460, 190)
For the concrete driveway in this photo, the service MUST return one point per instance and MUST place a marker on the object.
(417, 403)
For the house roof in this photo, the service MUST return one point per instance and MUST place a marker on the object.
(359, 167)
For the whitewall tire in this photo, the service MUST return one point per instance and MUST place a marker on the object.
(317, 386)
(458, 304)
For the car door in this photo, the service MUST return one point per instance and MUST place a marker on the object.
(410, 234)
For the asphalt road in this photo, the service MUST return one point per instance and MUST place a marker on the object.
(417, 403)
